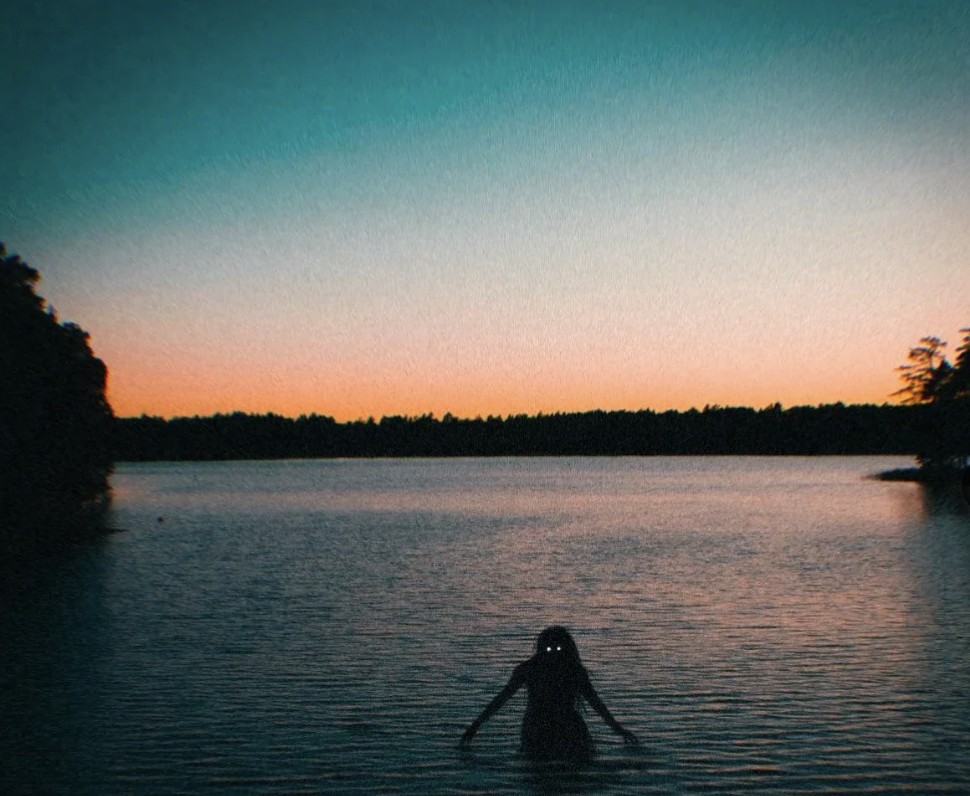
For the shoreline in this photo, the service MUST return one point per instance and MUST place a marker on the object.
(919, 476)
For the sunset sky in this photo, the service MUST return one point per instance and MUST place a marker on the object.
(375, 208)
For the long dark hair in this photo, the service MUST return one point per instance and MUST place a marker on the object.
(557, 657)
(557, 639)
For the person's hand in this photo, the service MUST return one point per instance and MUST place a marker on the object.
(468, 735)
(629, 738)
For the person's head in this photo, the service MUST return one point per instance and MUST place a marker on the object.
(556, 643)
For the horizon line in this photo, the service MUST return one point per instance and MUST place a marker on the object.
(450, 417)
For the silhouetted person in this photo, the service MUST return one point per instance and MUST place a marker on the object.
(556, 679)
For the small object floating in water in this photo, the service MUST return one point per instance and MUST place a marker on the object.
(159, 519)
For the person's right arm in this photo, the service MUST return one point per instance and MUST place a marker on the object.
(589, 693)
(516, 681)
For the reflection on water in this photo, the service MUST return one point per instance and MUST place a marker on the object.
(764, 625)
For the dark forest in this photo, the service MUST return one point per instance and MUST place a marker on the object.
(55, 422)
(833, 429)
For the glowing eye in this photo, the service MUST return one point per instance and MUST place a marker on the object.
(558, 649)
(548, 649)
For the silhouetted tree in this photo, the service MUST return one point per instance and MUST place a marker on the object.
(925, 372)
(943, 389)
(956, 383)
(55, 422)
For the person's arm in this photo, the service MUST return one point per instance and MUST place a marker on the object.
(589, 693)
(515, 682)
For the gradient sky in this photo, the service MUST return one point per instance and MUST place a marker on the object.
(369, 208)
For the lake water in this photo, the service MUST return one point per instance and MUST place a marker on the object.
(765, 625)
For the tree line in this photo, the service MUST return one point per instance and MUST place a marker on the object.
(832, 429)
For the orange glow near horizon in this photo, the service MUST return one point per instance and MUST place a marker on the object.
(431, 348)
(202, 367)
(138, 386)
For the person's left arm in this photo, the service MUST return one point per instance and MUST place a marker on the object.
(516, 681)
(590, 695)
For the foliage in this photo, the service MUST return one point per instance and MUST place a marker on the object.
(834, 429)
(943, 389)
(924, 373)
(55, 422)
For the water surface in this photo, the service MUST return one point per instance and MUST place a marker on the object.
(765, 625)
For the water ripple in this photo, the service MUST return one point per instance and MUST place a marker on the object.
(765, 626)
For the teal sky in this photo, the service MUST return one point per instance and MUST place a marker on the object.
(491, 207)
